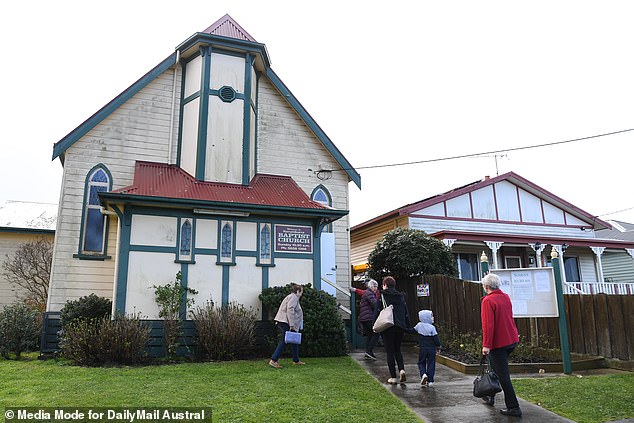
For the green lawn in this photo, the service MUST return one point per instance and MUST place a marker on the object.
(588, 399)
(326, 389)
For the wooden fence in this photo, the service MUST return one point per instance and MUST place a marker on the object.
(598, 324)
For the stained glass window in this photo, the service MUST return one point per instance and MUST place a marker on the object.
(94, 222)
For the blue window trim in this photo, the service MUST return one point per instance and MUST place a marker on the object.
(322, 188)
(188, 258)
(81, 254)
(258, 261)
(219, 259)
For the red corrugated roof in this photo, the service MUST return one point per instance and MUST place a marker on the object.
(170, 181)
(227, 27)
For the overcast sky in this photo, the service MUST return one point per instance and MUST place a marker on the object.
(389, 82)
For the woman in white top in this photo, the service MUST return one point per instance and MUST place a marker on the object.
(289, 317)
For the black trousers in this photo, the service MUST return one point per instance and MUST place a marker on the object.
(371, 338)
(500, 364)
(392, 339)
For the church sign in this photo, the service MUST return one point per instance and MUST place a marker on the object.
(293, 239)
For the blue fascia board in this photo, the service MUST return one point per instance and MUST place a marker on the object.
(301, 111)
(62, 145)
(219, 205)
(220, 41)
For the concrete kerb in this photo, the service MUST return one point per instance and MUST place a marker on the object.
(451, 398)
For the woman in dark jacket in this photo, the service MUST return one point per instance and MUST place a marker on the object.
(393, 336)
(367, 315)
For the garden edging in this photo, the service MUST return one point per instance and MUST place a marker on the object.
(580, 363)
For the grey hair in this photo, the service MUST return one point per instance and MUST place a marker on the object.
(372, 284)
(491, 280)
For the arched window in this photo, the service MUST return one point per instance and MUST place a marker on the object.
(322, 196)
(94, 224)
(265, 244)
(226, 242)
(186, 238)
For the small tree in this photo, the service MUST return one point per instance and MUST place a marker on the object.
(404, 253)
(19, 329)
(29, 268)
(169, 298)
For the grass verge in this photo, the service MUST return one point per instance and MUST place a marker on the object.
(587, 399)
(326, 389)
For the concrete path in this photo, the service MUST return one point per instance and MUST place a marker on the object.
(451, 398)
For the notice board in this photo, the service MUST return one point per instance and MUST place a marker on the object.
(532, 291)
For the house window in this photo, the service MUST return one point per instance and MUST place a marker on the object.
(571, 268)
(94, 223)
(467, 266)
(512, 262)
(226, 242)
(265, 244)
(322, 196)
(185, 250)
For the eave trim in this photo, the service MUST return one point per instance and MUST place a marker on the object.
(220, 205)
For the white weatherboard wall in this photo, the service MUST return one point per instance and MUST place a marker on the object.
(144, 271)
(153, 230)
(138, 130)
(286, 146)
(291, 270)
(206, 278)
(246, 283)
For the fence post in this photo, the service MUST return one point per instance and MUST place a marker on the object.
(563, 327)
(354, 336)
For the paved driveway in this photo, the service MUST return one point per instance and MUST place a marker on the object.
(451, 398)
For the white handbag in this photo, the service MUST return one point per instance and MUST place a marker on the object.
(385, 319)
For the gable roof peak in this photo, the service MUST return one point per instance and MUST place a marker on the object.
(228, 27)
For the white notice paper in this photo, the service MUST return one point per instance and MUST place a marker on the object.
(520, 308)
(542, 282)
(522, 285)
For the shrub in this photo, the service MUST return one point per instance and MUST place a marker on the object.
(90, 307)
(94, 342)
(19, 329)
(170, 298)
(404, 253)
(467, 348)
(226, 332)
(323, 334)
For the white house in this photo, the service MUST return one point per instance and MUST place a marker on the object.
(516, 223)
(207, 165)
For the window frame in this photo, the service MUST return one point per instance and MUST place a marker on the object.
(222, 224)
(82, 253)
(320, 188)
(261, 261)
(180, 257)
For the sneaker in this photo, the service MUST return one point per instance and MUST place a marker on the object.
(402, 377)
(423, 380)
(430, 384)
(511, 412)
(274, 364)
(369, 356)
(392, 381)
(298, 363)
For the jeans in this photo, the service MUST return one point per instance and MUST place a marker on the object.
(427, 362)
(392, 339)
(500, 364)
(283, 327)
(371, 338)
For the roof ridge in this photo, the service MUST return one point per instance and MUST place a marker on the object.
(226, 26)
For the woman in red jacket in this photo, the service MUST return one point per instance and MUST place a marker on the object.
(499, 339)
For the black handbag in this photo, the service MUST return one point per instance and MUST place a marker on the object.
(486, 382)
